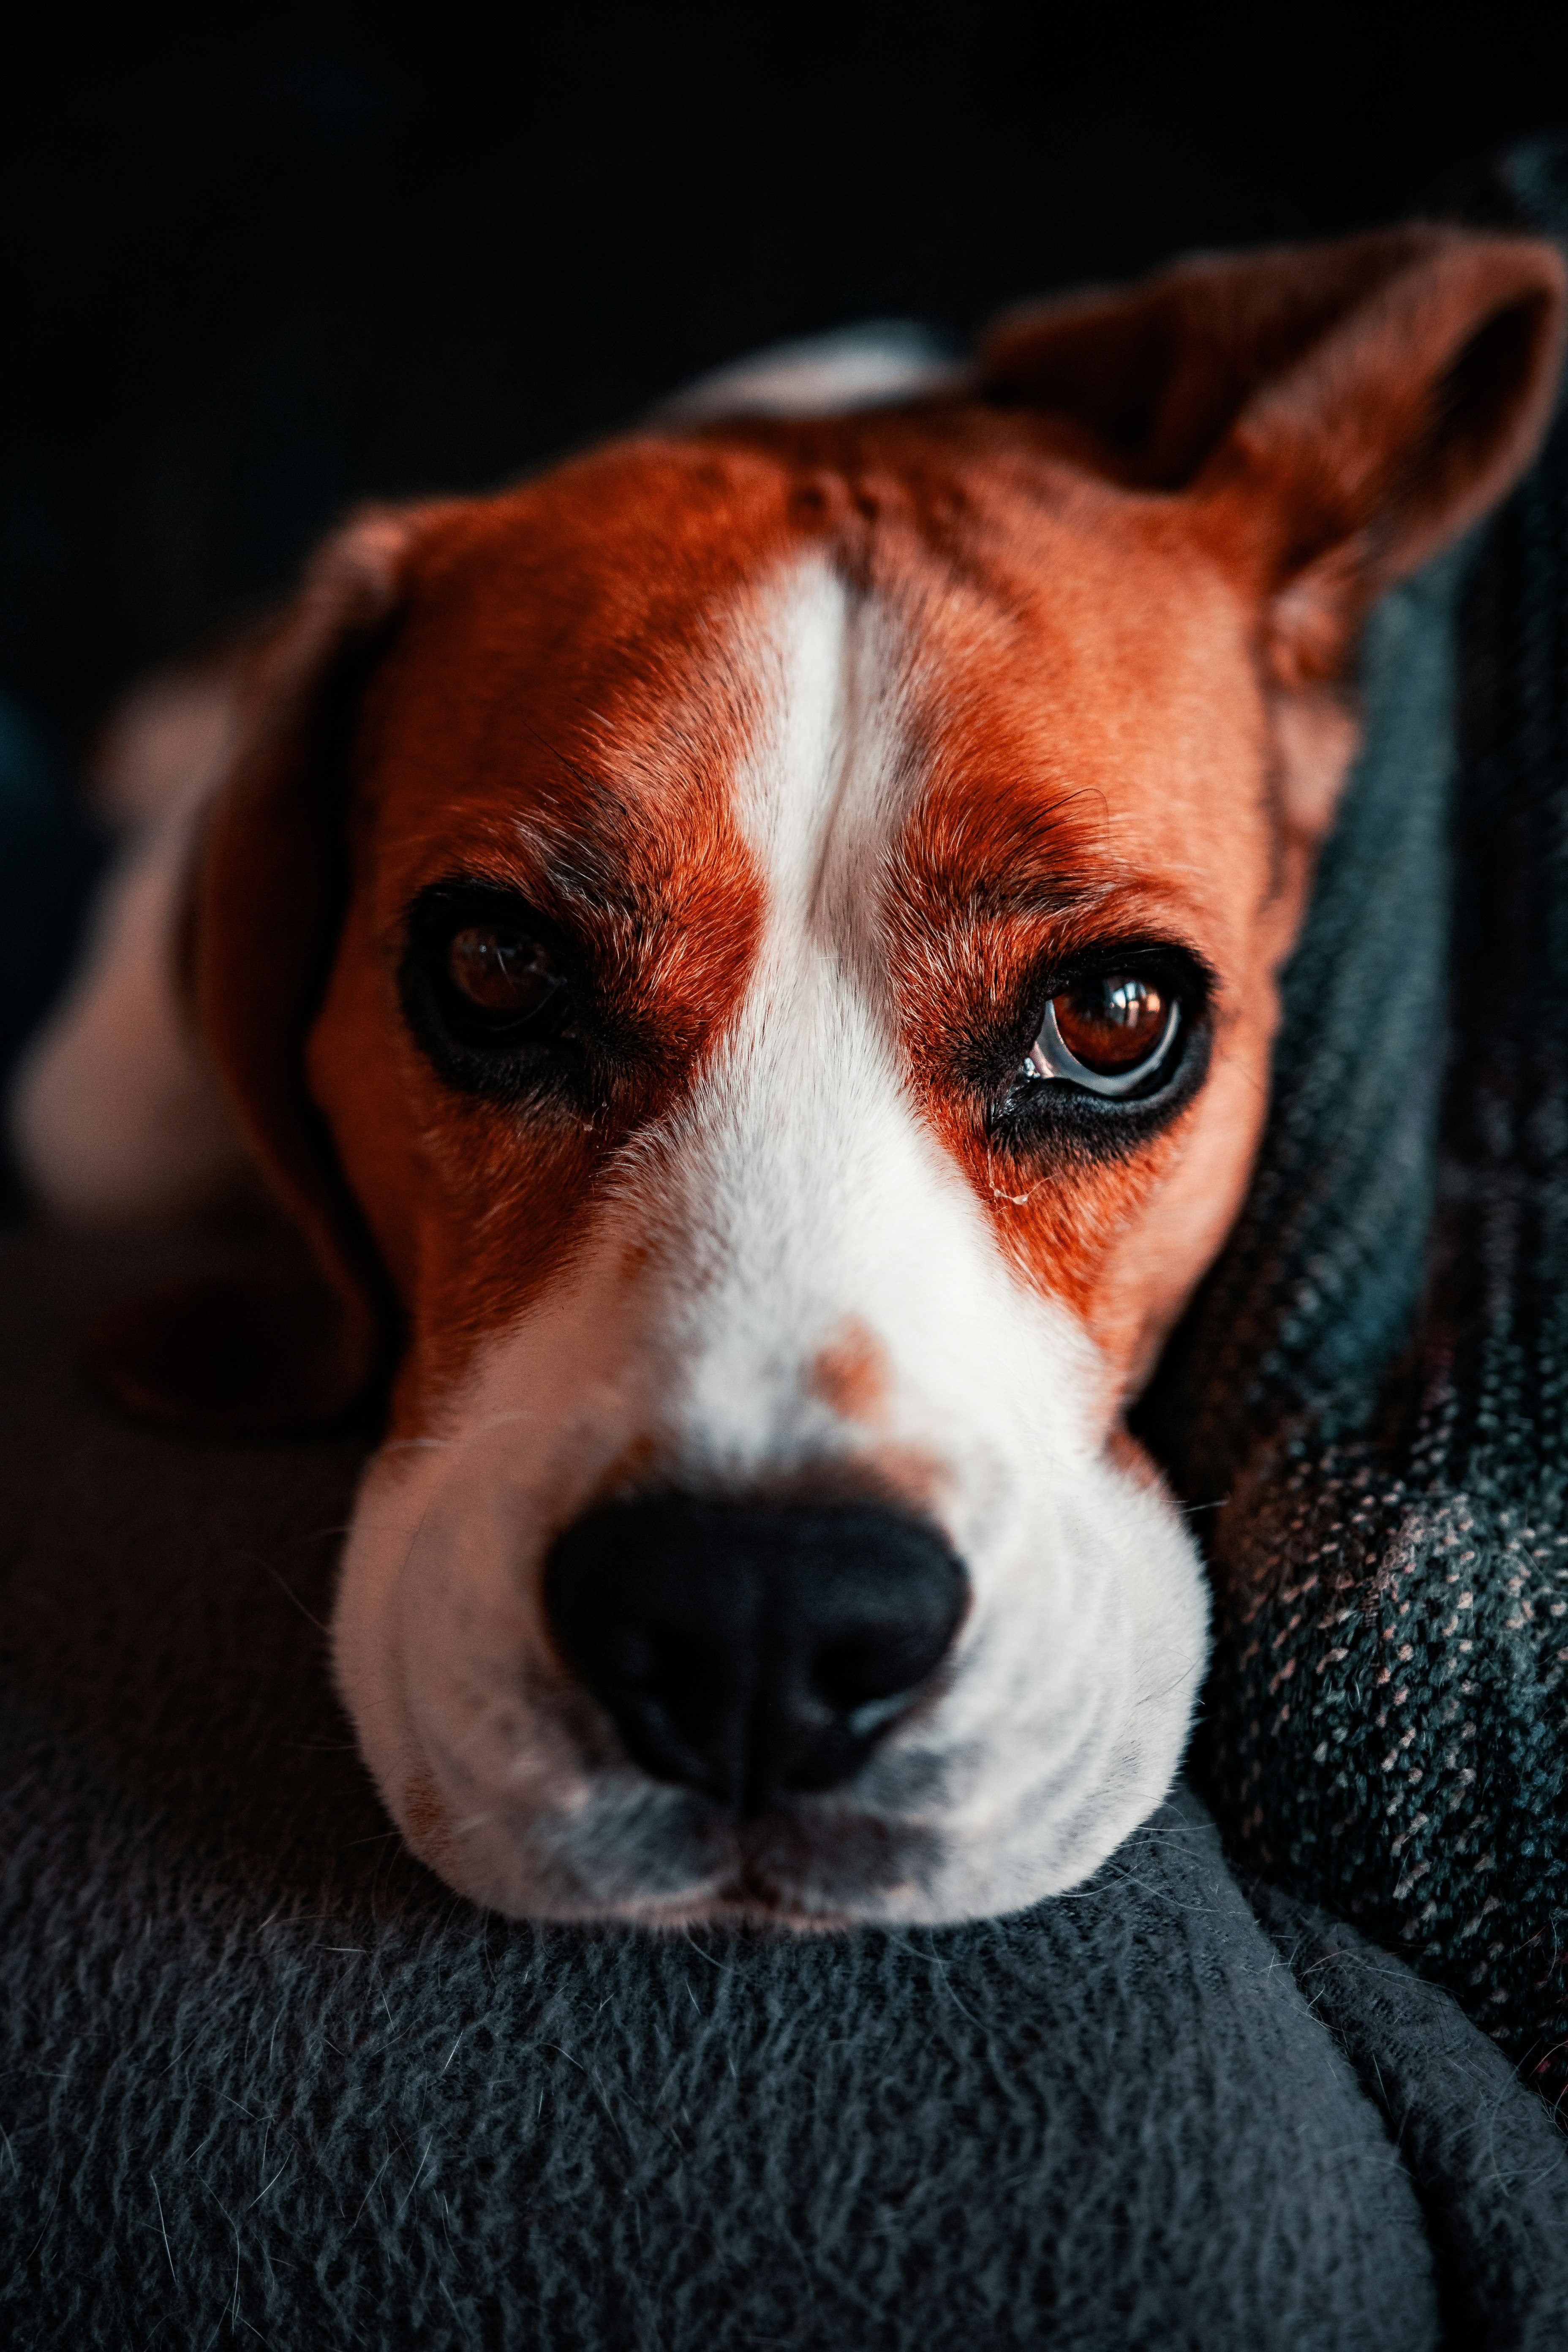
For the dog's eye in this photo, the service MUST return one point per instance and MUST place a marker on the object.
(1110, 1034)
(504, 972)
(491, 990)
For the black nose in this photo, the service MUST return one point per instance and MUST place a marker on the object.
(751, 1649)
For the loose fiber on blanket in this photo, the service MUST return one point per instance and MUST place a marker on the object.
(1376, 1375)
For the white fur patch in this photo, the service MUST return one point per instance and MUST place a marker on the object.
(824, 375)
(116, 1115)
(795, 1190)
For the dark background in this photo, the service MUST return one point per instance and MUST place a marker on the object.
(260, 262)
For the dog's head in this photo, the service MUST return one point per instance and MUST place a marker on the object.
(753, 959)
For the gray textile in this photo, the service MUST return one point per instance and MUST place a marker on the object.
(1491, 2186)
(1376, 1375)
(261, 2072)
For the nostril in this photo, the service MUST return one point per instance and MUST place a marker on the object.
(870, 1689)
(891, 1646)
(753, 1650)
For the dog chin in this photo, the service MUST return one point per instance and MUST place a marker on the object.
(645, 1857)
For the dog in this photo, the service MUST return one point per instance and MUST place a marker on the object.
(751, 961)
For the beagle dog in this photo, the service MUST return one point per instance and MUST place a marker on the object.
(751, 960)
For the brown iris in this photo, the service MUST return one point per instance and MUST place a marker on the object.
(504, 972)
(1112, 1024)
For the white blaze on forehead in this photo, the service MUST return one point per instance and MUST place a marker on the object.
(798, 1146)
(825, 762)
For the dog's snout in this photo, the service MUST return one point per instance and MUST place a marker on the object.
(752, 1650)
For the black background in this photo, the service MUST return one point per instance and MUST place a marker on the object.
(260, 262)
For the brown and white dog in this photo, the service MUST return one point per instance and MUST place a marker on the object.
(751, 958)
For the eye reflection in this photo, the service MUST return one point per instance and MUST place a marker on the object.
(1109, 1033)
(504, 972)
(1108, 1024)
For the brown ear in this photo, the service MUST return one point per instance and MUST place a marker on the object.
(288, 1351)
(1343, 410)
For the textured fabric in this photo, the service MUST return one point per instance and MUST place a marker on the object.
(1375, 1376)
(1492, 2170)
(261, 2072)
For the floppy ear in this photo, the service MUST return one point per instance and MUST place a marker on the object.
(290, 1350)
(1339, 412)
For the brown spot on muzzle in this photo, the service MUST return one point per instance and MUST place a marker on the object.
(850, 1374)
